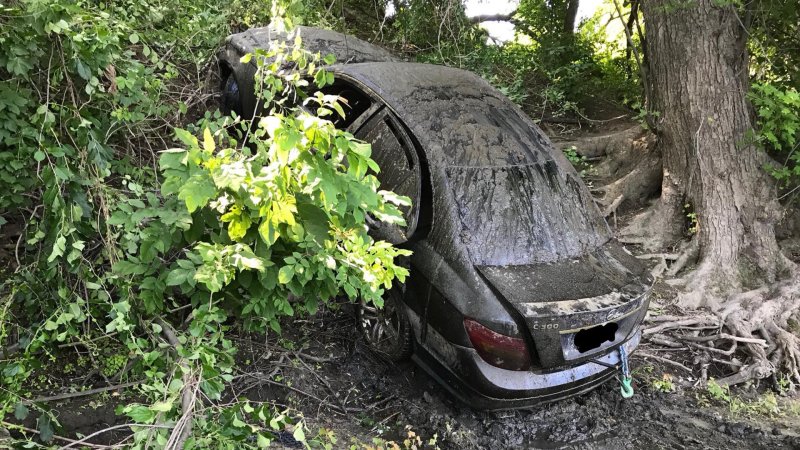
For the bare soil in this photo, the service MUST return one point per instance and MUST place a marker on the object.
(332, 372)
(383, 399)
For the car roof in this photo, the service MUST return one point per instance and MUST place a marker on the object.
(347, 49)
(458, 118)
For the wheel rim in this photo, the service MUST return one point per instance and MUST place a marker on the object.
(380, 327)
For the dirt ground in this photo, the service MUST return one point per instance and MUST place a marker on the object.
(338, 384)
(382, 399)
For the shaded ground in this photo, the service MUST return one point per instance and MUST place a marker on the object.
(382, 399)
(337, 383)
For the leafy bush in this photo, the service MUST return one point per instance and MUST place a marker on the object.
(158, 256)
(778, 112)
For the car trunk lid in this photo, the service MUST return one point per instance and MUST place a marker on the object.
(579, 308)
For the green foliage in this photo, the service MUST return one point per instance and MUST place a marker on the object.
(717, 392)
(692, 223)
(580, 162)
(284, 217)
(546, 70)
(763, 405)
(663, 384)
(147, 260)
(778, 112)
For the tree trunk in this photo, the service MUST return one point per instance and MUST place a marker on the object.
(699, 79)
(572, 15)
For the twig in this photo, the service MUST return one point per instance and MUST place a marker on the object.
(660, 340)
(82, 393)
(316, 359)
(75, 343)
(83, 441)
(676, 324)
(664, 360)
(339, 409)
(55, 436)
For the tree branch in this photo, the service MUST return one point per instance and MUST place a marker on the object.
(519, 25)
(494, 18)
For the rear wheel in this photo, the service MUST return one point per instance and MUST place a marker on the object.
(386, 330)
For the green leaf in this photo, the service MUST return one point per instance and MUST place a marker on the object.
(238, 226)
(161, 406)
(361, 149)
(39, 156)
(20, 411)
(45, 428)
(285, 274)
(186, 137)
(208, 141)
(315, 221)
(176, 277)
(299, 434)
(197, 191)
(58, 248)
(269, 232)
(141, 414)
(134, 38)
(83, 71)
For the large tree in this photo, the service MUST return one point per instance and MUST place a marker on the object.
(699, 79)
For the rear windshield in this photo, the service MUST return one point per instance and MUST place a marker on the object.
(524, 214)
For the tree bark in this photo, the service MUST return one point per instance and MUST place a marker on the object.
(698, 71)
(572, 15)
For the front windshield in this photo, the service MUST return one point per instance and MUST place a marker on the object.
(524, 214)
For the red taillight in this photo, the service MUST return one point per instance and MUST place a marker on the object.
(497, 349)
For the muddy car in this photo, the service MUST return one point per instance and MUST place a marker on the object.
(518, 293)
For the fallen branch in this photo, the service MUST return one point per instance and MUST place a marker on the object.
(71, 442)
(726, 336)
(81, 393)
(84, 343)
(84, 441)
(183, 428)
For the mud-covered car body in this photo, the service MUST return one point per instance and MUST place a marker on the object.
(518, 294)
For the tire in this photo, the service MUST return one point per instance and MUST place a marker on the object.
(387, 330)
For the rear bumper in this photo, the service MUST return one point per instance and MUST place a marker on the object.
(482, 386)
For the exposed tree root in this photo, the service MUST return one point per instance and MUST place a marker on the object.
(630, 170)
(736, 332)
(759, 326)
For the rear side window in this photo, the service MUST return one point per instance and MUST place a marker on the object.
(354, 102)
(400, 167)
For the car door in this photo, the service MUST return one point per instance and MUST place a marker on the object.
(400, 171)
